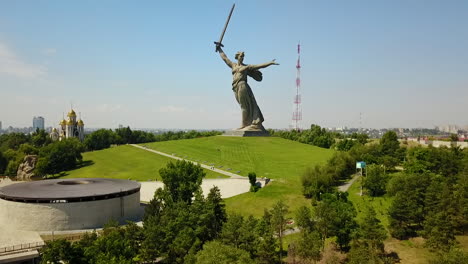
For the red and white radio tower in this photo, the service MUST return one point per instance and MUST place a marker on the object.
(297, 111)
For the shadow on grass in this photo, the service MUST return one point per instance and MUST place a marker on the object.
(80, 165)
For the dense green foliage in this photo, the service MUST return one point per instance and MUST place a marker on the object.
(179, 220)
(216, 252)
(116, 245)
(375, 180)
(431, 197)
(104, 138)
(367, 246)
(59, 156)
(316, 136)
(15, 146)
(323, 179)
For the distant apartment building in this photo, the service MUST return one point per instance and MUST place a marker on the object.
(0, 125)
(38, 123)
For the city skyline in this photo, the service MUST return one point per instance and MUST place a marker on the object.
(400, 64)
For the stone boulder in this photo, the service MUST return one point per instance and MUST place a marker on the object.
(26, 168)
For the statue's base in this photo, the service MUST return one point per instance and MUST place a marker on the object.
(248, 133)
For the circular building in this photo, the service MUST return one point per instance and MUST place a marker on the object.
(68, 204)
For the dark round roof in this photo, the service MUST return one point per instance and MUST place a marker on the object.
(69, 189)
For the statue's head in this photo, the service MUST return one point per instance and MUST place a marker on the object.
(239, 56)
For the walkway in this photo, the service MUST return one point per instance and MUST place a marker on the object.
(345, 187)
(230, 174)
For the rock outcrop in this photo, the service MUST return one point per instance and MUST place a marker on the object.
(26, 168)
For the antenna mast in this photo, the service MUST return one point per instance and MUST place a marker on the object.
(297, 109)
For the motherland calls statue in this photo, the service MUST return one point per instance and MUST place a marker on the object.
(252, 117)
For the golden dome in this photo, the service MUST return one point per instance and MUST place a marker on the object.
(54, 129)
(69, 122)
(80, 122)
(72, 113)
(63, 122)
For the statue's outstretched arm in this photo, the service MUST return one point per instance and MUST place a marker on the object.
(263, 65)
(224, 57)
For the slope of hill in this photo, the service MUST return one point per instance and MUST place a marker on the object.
(279, 159)
(124, 162)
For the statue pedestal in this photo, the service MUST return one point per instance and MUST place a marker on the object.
(248, 133)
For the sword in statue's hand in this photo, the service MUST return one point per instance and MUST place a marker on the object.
(218, 43)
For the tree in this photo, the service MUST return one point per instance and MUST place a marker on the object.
(253, 182)
(443, 217)
(389, 143)
(100, 139)
(59, 156)
(334, 216)
(406, 211)
(315, 181)
(279, 221)
(3, 163)
(216, 252)
(345, 144)
(375, 180)
(266, 248)
(59, 251)
(308, 247)
(40, 138)
(368, 246)
(216, 206)
(182, 179)
(178, 220)
(372, 231)
(13, 141)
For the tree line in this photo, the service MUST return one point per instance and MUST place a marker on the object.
(104, 138)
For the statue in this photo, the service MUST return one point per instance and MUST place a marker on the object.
(252, 117)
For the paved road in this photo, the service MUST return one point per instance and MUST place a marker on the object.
(345, 187)
(208, 167)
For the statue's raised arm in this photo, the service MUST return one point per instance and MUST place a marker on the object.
(263, 65)
(223, 56)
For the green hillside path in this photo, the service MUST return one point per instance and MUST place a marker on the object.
(229, 174)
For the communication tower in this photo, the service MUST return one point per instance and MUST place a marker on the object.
(297, 109)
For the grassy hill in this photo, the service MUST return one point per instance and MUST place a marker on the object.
(124, 162)
(279, 159)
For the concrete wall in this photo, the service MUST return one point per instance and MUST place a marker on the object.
(68, 216)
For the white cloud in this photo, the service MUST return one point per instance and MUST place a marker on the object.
(172, 109)
(10, 64)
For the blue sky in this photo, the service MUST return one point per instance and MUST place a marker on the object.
(151, 64)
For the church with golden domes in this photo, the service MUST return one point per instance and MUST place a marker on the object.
(70, 128)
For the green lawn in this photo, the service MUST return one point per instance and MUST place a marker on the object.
(124, 162)
(276, 158)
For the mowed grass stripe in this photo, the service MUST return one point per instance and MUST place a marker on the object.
(125, 162)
